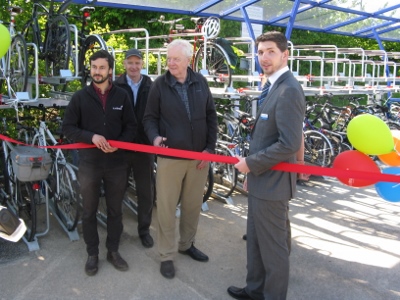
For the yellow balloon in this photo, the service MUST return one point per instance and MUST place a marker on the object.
(370, 135)
(5, 40)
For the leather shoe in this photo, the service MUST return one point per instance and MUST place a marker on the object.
(91, 266)
(147, 240)
(195, 253)
(167, 269)
(117, 261)
(238, 293)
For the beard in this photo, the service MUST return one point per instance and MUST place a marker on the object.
(99, 81)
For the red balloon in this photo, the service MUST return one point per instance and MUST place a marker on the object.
(355, 161)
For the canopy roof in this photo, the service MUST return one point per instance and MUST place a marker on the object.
(377, 19)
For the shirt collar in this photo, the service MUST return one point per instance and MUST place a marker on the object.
(174, 81)
(131, 83)
(99, 91)
(274, 77)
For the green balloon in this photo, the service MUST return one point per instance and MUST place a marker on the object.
(5, 40)
(370, 135)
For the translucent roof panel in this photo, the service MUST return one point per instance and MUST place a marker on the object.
(359, 18)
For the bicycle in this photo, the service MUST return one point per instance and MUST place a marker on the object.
(83, 45)
(14, 64)
(53, 41)
(211, 55)
(62, 180)
(23, 195)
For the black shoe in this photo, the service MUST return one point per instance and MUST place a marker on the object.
(167, 269)
(195, 253)
(245, 237)
(117, 261)
(91, 266)
(238, 293)
(147, 240)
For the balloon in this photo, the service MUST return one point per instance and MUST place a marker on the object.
(370, 135)
(5, 40)
(393, 158)
(389, 191)
(355, 161)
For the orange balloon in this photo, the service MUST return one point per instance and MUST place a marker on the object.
(392, 158)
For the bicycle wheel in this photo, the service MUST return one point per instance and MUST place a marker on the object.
(25, 202)
(92, 44)
(225, 175)
(66, 199)
(217, 64)
(208, 188)
(57, 46)
(318, 149)
(18, 73)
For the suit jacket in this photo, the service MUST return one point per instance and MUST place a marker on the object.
(276, 137)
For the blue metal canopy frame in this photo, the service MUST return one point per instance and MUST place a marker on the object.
(355, 18)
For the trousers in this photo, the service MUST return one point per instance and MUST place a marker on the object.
(268, 249)
(114, 178)
(142, 167)
(178, 181)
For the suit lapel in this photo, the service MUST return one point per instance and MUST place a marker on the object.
(270, 95)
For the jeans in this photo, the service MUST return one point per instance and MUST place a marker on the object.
(91, 176)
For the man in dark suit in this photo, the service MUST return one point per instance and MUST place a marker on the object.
(276, 137)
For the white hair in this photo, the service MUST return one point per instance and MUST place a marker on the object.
(185, 45)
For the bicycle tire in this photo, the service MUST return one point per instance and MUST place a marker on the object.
(393, 125)
(217, 64)
(18, 72)
(25, 204)
(30, 37)
(225, 175)
(92, 44)
(318, 150)
(57, 46)
(8, 174)
(67, 199)
(208, 188)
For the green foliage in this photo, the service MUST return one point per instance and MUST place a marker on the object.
(106, 19)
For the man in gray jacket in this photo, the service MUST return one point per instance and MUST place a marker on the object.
(276, 137)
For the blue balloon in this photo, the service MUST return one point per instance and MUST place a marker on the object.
(389, 191)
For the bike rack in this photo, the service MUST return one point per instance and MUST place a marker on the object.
(34, 244)
(73, 234)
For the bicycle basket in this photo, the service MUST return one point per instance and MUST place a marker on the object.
(31, 164)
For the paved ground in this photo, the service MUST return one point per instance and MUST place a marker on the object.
(345, 246)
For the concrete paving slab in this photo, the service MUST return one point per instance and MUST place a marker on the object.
(345, 246)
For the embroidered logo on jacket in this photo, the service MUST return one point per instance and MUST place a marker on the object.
(118, 108)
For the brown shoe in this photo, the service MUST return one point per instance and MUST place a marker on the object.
(117, 261)
(91, 266)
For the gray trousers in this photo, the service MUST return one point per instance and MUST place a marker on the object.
(268, 248)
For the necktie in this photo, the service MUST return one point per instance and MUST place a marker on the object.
(264, 93)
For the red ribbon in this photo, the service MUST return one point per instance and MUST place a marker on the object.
(285, 167)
